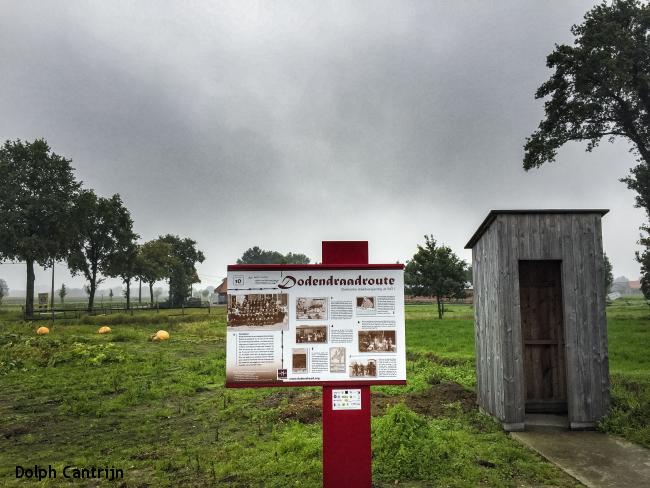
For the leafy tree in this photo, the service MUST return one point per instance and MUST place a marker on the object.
(205, 294)
(123, 263)
(4, 289)
(601, 89)
(126, 293)
(256, 255)
(110, 294)
(435, 271)
(155, 263)
(63, 291)
(609, 274)
(183, 272)
(37, 188)
(103, 230)
(644, 259)
(296, 258)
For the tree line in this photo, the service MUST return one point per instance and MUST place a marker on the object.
(435, 270)
(256, 255)
(47, 216)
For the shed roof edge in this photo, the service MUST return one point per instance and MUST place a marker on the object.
(493, 215)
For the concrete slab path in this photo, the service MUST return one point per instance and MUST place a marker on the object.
(595, 459)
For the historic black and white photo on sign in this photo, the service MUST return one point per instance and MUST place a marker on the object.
(363, 367)
(366, 305)
(377, 341)
(337, 359)
(258, 311)
(299, 360)
(311, 333)
(309, 308)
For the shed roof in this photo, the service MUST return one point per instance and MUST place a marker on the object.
(493, 215)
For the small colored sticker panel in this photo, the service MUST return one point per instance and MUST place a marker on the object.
(346, 399)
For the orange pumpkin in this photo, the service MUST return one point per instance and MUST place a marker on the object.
(42, 331)
(162, 335)
(104, 330)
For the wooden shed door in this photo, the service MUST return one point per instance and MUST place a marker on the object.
(542, 328)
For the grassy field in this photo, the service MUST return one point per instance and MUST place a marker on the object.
(159, 411)
(628, 328)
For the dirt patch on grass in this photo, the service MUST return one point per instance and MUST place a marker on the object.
(14, 431)
(432, 403)
(275, 399)
(306, 407)
(434, 358)
(145, 455)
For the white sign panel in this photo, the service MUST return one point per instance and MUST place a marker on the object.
(315, 325)
(346, 399)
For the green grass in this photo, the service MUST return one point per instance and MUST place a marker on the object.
(160, 410)
(629, 364)
(629, 338)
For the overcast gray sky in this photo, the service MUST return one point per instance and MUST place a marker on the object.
(281, 124)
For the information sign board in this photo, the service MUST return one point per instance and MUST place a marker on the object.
(315, 324)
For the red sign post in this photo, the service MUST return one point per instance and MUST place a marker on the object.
(347, 453)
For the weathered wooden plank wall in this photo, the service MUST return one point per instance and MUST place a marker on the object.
(576, 240)
(488, 337)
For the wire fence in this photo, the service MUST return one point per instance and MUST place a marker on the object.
(78, 312)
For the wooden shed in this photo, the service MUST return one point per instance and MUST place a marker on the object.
(539, 308)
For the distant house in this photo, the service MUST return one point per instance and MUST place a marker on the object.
(220, 293)
(635, 287)
(626, 287)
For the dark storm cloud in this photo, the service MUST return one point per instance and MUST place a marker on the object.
(281, 124)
